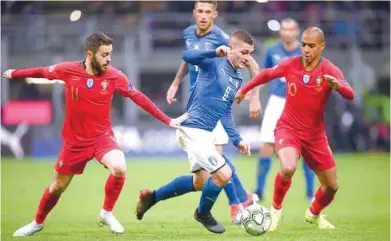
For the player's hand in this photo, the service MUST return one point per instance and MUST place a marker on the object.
(222, 51)
(175, 123)
(8, 73)
(332, 81)
(171, 93)
(239, 97)
(244, 148)
(255, 109)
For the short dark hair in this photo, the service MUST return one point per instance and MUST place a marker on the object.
(243, 36)
(95, 40)
(214, 3)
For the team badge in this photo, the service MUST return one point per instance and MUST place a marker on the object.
(318, 81)
(90, 83)
(212, 160)
(104, 84)
(208, 46)
(306, 79)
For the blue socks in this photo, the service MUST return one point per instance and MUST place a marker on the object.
(179, 186)
(210, 192)
(309, 180)
(241, 194)
(264, 164)
(231, 193)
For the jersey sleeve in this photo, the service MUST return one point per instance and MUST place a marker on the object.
(345, 90)
(51, 72)
(126, 88)
(267, 75)
(229, 125)
(197, 56)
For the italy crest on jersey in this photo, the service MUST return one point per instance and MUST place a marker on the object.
(208, 46)
(90, 83)
(306, 79)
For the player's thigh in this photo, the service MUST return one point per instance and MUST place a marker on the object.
(73, 159)
(288, 149)
(109, 153)
(220, 135)
(317, 154)
(272, 114)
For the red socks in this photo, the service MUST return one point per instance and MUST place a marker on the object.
(281, 187)
(112, 190)
(48, 201)
(321, 201)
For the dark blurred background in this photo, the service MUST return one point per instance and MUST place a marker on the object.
(148, 49)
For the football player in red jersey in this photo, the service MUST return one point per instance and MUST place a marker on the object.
(87, 133)
(300, 131)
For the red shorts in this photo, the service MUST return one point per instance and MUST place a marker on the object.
(73, 159)
(315, 151)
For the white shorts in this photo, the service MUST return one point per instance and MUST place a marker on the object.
(221, 137)
(201, 150)
(273, 112)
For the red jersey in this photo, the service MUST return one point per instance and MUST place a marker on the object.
(88, 99)
(307, 93)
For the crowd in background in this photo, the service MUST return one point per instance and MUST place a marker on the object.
(352, 128)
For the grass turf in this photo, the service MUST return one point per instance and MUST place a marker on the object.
(360, 211)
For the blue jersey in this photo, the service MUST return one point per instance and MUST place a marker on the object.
(274, 54)
(215, 38)
(213, 93)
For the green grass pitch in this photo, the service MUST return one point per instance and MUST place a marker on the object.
(361, 209)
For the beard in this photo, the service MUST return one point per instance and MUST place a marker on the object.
(96, 66)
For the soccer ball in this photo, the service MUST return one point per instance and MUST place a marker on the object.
(255, 219)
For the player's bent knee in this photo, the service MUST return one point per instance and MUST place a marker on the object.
(115, 161)
(222, 176)
(287, 171)
(58, 187)
(331, 189)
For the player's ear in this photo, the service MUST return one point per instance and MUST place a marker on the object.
(216, 13)
(89, 54)
(322, 46)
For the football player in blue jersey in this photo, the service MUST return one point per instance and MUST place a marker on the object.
(288, 46)
(218, 80)
(205, 35)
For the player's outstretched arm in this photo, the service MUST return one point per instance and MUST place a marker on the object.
(181, 73)
(48, 72)
(229, 125)
(197, 56)
(126, 89)
(254, 103)
(263, 77)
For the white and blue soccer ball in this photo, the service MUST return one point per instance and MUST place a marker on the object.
(255, 219)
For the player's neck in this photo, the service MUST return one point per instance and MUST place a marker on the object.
(201, 33)
(231, 63)
(89, 69)
(311, 66)
(290, 45)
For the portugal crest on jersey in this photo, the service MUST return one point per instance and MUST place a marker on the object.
(90, 83)
(306, 79)
(318, 81)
